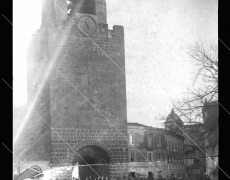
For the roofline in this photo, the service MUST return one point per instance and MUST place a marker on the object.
(129, 124)
(136, 124)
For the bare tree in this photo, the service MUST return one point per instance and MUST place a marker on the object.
(205, 89)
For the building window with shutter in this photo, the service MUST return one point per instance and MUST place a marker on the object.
(158, 141)
(158, 156)
(191, 159)
(132, 156)
(149, 141)
(171, 146)
(197, 154)
(149, 156)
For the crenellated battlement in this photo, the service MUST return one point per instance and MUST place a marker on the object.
(117, 32)
(70, 28)
(57, 14)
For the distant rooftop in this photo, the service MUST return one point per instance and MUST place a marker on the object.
(173, 116)
(137, 124)
(142, 125)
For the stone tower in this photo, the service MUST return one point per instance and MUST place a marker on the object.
(82, 64)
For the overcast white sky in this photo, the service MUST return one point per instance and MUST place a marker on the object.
(157, 33)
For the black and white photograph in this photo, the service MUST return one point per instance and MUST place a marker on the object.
(115, 90)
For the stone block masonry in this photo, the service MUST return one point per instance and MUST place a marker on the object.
(87, 89)
(88, 95)
(66, 142)
(82, 87)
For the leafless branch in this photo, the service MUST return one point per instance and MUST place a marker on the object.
(190, 108)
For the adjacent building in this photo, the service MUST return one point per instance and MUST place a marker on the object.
(147, 151)
(211, 119)
(195, 158)
(175, 144)
(156, 151)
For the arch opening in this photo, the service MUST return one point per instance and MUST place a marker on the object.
(92, 162)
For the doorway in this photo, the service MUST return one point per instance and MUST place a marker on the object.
(92, 162)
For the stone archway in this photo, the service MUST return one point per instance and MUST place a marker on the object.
(93, 158)
(81, 144)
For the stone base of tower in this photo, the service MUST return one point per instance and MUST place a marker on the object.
(116, 171)
(71, 146)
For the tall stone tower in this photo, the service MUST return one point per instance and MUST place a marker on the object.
(85, 88)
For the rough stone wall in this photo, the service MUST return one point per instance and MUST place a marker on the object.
(77, 90)
(88, 93)
(66, 141)
(90, 87)
(33, 142)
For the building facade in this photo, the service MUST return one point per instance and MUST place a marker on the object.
(195, 160)
(211, 119)
(175, 149)
(155, 152)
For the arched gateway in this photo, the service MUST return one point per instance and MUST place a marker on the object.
(92, 157)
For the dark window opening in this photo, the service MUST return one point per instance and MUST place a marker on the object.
(133, 174)
(81, 6)
(158, 140)
(150, 174)
(132, 158)
(149, 155)
(158, 156)
(159, 173)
